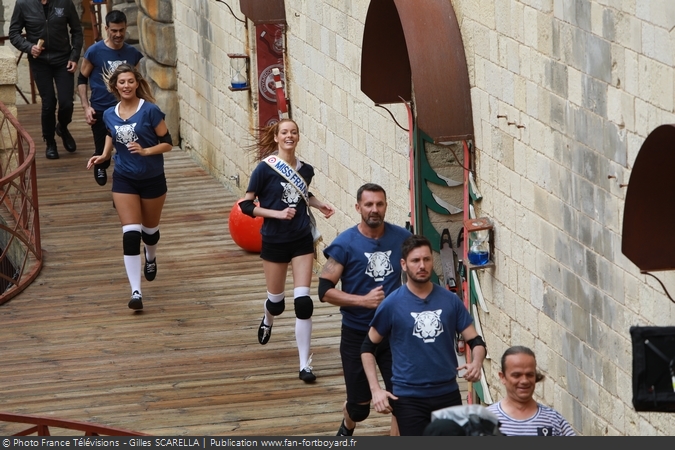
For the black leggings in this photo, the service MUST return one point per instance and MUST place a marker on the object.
(99, 131)
(46, 75)
(413, 414)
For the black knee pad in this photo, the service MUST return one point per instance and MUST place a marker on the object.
(150, 239)
(304, 307)
(131, 242)
(275, 308)
(358, 413)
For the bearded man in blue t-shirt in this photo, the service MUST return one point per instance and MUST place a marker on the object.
(421, 320)
(365, 259)
(101, 58)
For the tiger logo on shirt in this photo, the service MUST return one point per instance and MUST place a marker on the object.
(291, 196)
(126, 134)
(428, 325)
(114, 65)
(379, 265)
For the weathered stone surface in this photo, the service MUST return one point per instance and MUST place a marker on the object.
(163, 76)
(8, 94)
(158, 40)
(131, 11)
(159, 10)
(168, 103)
(132, 35)
(7, 65)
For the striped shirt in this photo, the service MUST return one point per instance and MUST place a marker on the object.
(545, 422)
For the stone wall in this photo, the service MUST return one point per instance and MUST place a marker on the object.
(157, 38)
(589, 80)
(581, 83)
(6, 9)
(8, 76)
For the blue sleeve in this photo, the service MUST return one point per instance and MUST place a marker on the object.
(106, 118)
(382, 318)
(337, 250)
(155, 115)
(137, 56)
(464, 319)
(254, 184)
(87, 53)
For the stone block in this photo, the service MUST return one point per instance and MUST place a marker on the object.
(556, 74)
(133, 36)
(131, 11)
(158, 40)
(8, 72)
(597, 58)
(594, 95)
(163, 76)
(8, 94)
(159, 10)
(168, 103)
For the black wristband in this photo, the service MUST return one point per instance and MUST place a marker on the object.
(81, 79)
(478, 340)
(324, 286)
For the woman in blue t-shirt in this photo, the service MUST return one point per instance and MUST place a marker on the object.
(138, 133)
(280, 184)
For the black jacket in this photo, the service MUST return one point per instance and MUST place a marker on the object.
(59, 47)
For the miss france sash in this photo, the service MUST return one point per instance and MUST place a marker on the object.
(289, 174)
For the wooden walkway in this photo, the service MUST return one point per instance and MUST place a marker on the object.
(190, 363)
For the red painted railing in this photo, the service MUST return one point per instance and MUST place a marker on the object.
(41, 425)
(21, 253)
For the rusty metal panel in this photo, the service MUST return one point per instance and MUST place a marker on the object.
(435, 61)
(264, 11)
(649, 213)
(385, 67)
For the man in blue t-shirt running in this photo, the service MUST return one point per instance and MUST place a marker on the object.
(421, 320)
(101, 58)
(365, 259)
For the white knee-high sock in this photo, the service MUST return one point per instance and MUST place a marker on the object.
(303, 330)
(303, 336)
(133, 266)
(150, 250)
(132, 263)
(274, 298)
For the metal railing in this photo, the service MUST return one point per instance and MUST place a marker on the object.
(41, 426)
(21, 252)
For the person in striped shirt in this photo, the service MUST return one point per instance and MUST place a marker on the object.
(519, 414)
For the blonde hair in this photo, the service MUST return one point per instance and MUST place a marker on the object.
(265, 144)
(143, 90)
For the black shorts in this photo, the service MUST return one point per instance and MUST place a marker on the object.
(149, 188)
(413, 414)
(285, 252)
(356, 382)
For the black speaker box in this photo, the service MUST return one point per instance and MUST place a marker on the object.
(653, 368)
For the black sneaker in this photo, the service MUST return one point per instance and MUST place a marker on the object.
(68, 140)
(136, 302)
(51, 151)
(150, 269)
(344, 431)
(264, 332)
(101, 176)
(306, 374)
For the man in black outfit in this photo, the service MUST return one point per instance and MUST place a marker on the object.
(54, 62)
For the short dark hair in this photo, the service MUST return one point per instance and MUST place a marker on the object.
(115, 16)
(370, 187)
(520, 350)
(413, 242)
